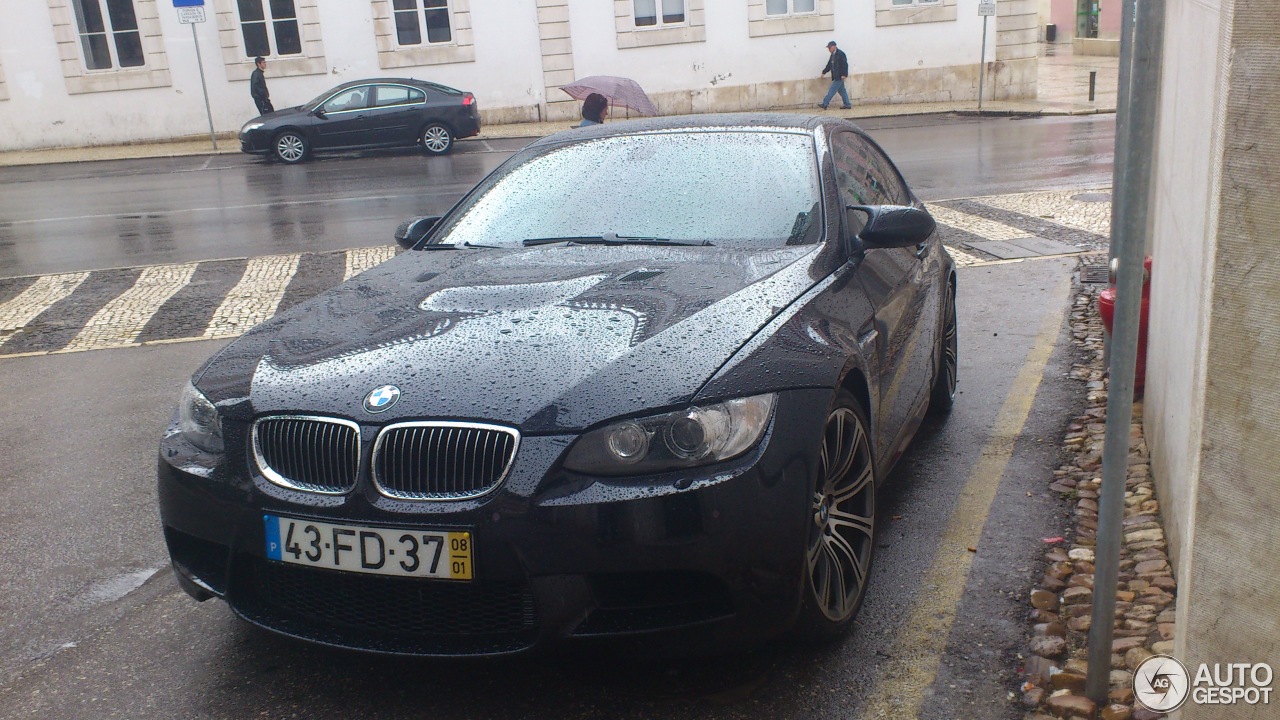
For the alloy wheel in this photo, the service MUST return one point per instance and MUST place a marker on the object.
(436, 139)
(944, 382)
(291, 148)
(843, 507)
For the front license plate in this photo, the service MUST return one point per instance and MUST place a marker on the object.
(379, 551)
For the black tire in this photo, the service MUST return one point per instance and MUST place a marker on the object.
(841, 535)
(943, 394)
(291, 147)
(436, 139)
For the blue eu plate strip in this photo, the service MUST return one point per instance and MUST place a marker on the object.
(273, 536)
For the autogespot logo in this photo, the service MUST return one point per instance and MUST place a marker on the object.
(1161, 683)
(381, 399)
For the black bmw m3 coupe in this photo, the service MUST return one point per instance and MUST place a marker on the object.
(641, 382)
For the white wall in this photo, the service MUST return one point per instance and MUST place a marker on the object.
(506, 72)
(1187, 184)
(730, 57)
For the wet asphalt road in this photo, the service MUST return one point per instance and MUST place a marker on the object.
(91, 216)
(96, 627)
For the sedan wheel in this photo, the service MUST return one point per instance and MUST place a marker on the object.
(944, 382)
(291, 147)
(436, 139)
(842, 524)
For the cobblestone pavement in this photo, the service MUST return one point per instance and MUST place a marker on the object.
(72, 312)
(1055, 663)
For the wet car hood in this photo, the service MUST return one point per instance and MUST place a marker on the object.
(548, 339)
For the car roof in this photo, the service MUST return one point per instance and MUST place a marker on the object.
(785, 122)
(426, 84)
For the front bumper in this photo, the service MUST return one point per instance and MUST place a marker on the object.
(680, 561)
(255, 142)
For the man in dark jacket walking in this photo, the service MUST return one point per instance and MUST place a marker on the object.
(838, 66)
(258, 87)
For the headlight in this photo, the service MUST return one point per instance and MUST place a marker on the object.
(198, 420)
(251, 126)
(687, 438)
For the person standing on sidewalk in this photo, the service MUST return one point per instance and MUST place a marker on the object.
(258, 87)
(838, 66)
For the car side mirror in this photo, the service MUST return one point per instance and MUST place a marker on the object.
(412, 231)
(890, 226)
(318, 113)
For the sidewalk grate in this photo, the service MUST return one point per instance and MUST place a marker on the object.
(1095, 274)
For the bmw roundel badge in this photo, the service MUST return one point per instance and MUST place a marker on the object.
(381, 399)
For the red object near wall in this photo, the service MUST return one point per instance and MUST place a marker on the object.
(1107, 308)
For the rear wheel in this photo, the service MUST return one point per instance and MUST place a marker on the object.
(842, 511)
(436, 139)
(944, 381)
(291, 147)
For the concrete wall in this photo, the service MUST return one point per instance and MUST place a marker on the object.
(1213, 403)
(514, 55)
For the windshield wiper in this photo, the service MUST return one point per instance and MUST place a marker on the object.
(610, 238)
(452, 246)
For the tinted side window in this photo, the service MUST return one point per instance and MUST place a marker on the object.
(864, 175)
(354, 99)
(391, 95)
(885, 174)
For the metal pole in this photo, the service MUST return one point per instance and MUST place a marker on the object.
(1093, 83)
(1141, 44)
(982, 63)
(207, 110)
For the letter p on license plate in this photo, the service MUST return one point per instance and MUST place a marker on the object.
(444, 555)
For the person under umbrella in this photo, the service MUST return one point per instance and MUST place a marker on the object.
(593, 109)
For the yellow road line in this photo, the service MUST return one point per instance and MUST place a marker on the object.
(903, 679)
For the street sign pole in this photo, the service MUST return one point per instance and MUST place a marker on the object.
(986, 8)
(191, 12)
(208, 111)
(982, 64)
(1137, 107)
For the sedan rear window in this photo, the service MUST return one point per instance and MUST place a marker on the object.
(726, 188)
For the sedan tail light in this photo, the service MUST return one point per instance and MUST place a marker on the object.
(468, 99)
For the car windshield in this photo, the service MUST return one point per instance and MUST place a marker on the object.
(737, 188)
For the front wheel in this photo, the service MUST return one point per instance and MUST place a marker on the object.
(291, 147)
(841, 524)
(944, 380)
(436, 139)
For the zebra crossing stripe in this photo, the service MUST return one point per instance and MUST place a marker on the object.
(361, 259)
(120, 321)
(962, 258)
(988, 229)
(45, 291)
(255, 298)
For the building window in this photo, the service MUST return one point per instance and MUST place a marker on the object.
(791, 7)
(413, 15)
(109, 36)
(911, 12)
(647, 13)
(787, 17)
(269, 27)
(647, 23)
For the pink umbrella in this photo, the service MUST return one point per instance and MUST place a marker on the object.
(619, 91)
